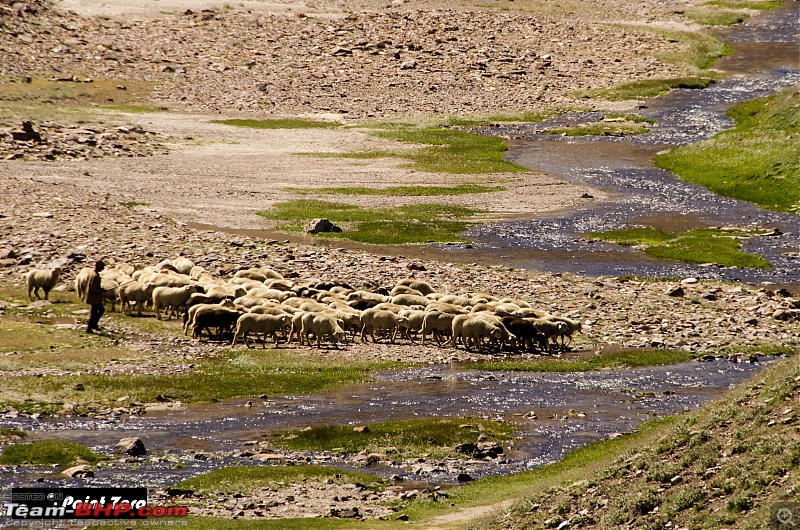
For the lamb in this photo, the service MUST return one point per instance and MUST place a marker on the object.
(439, 324)
(137, 292)
(171, 297)
(257, 323)
(423, 287)
(321, 325)
(44, 279)
(381, 320)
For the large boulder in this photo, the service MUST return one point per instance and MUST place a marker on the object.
(318, 226)
(131, 447)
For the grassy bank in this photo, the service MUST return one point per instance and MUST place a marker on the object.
(48, 453)
(725, 465)
(416, 223)
(287, 123)
(429, 438)
(603, 361)
(721, 247)
(230, 375)
(756, 161)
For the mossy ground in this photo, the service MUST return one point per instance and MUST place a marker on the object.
(416, 223)
(694, 246)
(47, 453)
(756, 161)
(429, 438)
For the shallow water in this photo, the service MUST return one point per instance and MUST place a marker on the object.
(571, 409)
(766, 59)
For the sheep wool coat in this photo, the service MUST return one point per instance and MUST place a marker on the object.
(94, 293)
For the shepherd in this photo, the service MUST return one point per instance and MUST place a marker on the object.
(93, 295)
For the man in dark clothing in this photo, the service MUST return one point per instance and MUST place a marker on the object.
(94, 297)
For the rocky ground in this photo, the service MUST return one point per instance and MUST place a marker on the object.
(62, 195)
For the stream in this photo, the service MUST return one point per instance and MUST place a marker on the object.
(766, 59)
(554, 413)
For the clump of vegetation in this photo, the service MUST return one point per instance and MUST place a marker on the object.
(757, 161)
(612, 125)
(134, 204)
(401, 191)
(695, 246)
(230, 375)
(448, 150)
(287, 123)
(245, 479)
(48, 453)
(714, 17)
(603, 361)
(647, 88)
(405, 439)
(746, 4)
(416, 223)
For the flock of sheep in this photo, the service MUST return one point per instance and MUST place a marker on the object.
(259, 301)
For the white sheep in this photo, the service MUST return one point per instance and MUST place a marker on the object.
(423, 287)
(321, 325)
(172, 298)
(264, 324)
(380, 320)
(410, 300)
(183, 265)
(137, 292)
(44, 279)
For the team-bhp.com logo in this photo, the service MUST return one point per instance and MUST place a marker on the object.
(85, 503)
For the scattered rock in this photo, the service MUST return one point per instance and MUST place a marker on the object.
(319, 226)
(130, 447)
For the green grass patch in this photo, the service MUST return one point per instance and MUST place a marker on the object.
(406, 439)
(12, 433)
(420, 223)
(48, 453)
(401, 191)
(288, 123)
(134, 204)
(576, 465)
(647, 88)
(603, 361)
(251, 479)
(447, 150)
(745, 4)
(232, 375)
(601, 129)
(714, 17)
(695, 246)
(757, 161)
